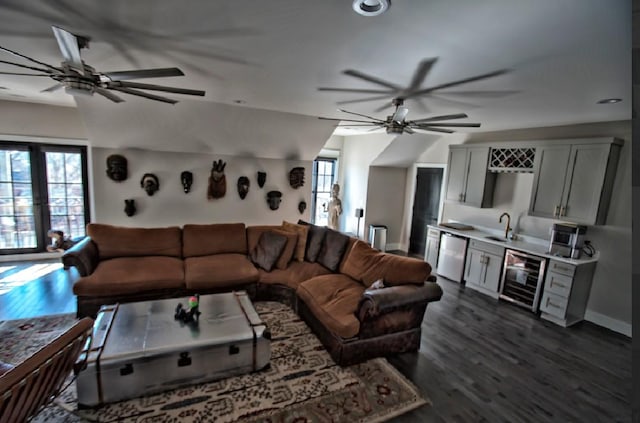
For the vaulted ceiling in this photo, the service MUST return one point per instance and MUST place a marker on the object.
(261, 64)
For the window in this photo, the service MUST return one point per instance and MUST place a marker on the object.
(324, 175)
(42, 187)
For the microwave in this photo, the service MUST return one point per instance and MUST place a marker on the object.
(567, 240)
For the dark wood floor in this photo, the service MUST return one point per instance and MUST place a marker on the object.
(480, 360)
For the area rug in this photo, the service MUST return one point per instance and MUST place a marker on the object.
(303, 384)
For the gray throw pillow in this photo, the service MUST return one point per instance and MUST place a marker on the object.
(268, 250)
(333, 248)
(315, 239)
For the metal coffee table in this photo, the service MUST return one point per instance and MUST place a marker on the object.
(141, 348)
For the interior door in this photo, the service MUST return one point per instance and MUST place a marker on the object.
(426, 202)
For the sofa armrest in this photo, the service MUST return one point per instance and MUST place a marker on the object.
(83, 255)
(376, 302)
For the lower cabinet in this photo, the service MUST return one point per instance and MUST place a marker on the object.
(566, 292)
(483, 267)
(432, 249)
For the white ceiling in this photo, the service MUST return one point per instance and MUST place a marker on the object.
(562, 56)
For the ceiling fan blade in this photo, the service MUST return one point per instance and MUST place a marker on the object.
(442, 117)
(352, 120)
(429, 128)
(106, 93)
(360, 100)
(47, 71)
(494, 93)
(52, 88)
(360, 114)
(142, 73)
(143, 94)
(372, 79)
(454, 125)
(408, 130)
(355, 90)
(454, 83)
(400, 114)
(421, 72)
(155, 88)
(15, 53)
(22, 74)
(361, 124)
(69, 47)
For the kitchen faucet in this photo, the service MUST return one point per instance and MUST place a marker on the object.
(508, 227)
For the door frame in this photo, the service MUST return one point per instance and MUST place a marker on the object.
(411, 192)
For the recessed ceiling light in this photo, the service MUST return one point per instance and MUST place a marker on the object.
(610, 101)
(371, 7)
(239, 101)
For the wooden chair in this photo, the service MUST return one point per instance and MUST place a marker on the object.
(29, 386)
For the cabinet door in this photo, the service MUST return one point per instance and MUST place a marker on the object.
(457, 174)
(474, 192)
(493, 265)
(584, 183)
(550, 173)
(474, 267)
(431, 254)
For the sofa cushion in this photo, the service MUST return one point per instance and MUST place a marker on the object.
(333, 248)
(314, 242)
(296, 273)
(367, 265)
(333, 299)
(204, 240)
(303, 232)
(118, 241)
(219, 271)
(268, 249)
(131, 275)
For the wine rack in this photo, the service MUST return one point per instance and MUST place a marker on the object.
(519, 159)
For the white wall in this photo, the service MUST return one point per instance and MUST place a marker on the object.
(40, 120)
(171, 206)
(385, 202)
(357, 154)
(610, 300)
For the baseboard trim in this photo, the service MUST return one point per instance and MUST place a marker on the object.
(608, 322)
(392, 246)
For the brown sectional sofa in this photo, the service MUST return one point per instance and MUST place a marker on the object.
(325, 276)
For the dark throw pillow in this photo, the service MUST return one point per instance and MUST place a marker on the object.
(315, 239)
(333, 249)
(268, 250)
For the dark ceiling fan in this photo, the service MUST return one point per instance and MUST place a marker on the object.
(79, 78)
(396, 123)
(414, 90)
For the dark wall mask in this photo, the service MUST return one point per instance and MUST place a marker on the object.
(296, 177)
(117, 167)
(186, 178)
(130, 207)
(302, 206)
(243, 186)
(273, 199)
(262, 178)
(150, 183)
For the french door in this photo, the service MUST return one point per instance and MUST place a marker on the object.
(42, 187)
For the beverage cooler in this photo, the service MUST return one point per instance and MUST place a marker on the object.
(523, 279)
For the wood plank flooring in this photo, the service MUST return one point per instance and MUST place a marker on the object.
(480, 360)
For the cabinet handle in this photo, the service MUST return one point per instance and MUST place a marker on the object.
(460, 197)
(563, 211)
(555, 211)
(561, 285)
(561, 268)
(550, 304)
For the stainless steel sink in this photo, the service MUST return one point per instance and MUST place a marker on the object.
(496, 238)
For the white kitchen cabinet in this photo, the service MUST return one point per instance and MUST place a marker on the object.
(574, 182)
(468, 180)
(483, 267)
(432, 248)
(566, 292)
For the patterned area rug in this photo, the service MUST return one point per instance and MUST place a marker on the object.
(303, 384)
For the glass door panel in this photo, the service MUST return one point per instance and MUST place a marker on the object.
(17, 219)
(65, 190)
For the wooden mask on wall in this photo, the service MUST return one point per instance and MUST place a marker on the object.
(217, 181)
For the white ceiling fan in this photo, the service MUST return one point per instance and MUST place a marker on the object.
(397, 124)
(77, 77)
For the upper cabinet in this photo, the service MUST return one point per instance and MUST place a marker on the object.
(469, 181)
(574, 181)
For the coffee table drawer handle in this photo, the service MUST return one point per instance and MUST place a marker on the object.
(126, 370)
(184, 360)
(233, 349)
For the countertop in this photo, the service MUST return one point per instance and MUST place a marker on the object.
(537, 248)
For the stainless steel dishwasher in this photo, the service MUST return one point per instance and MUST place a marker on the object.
(451, 256)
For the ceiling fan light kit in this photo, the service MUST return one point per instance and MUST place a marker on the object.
(371, 7)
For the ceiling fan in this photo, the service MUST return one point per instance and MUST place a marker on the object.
(79, 78)
(396, 123)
